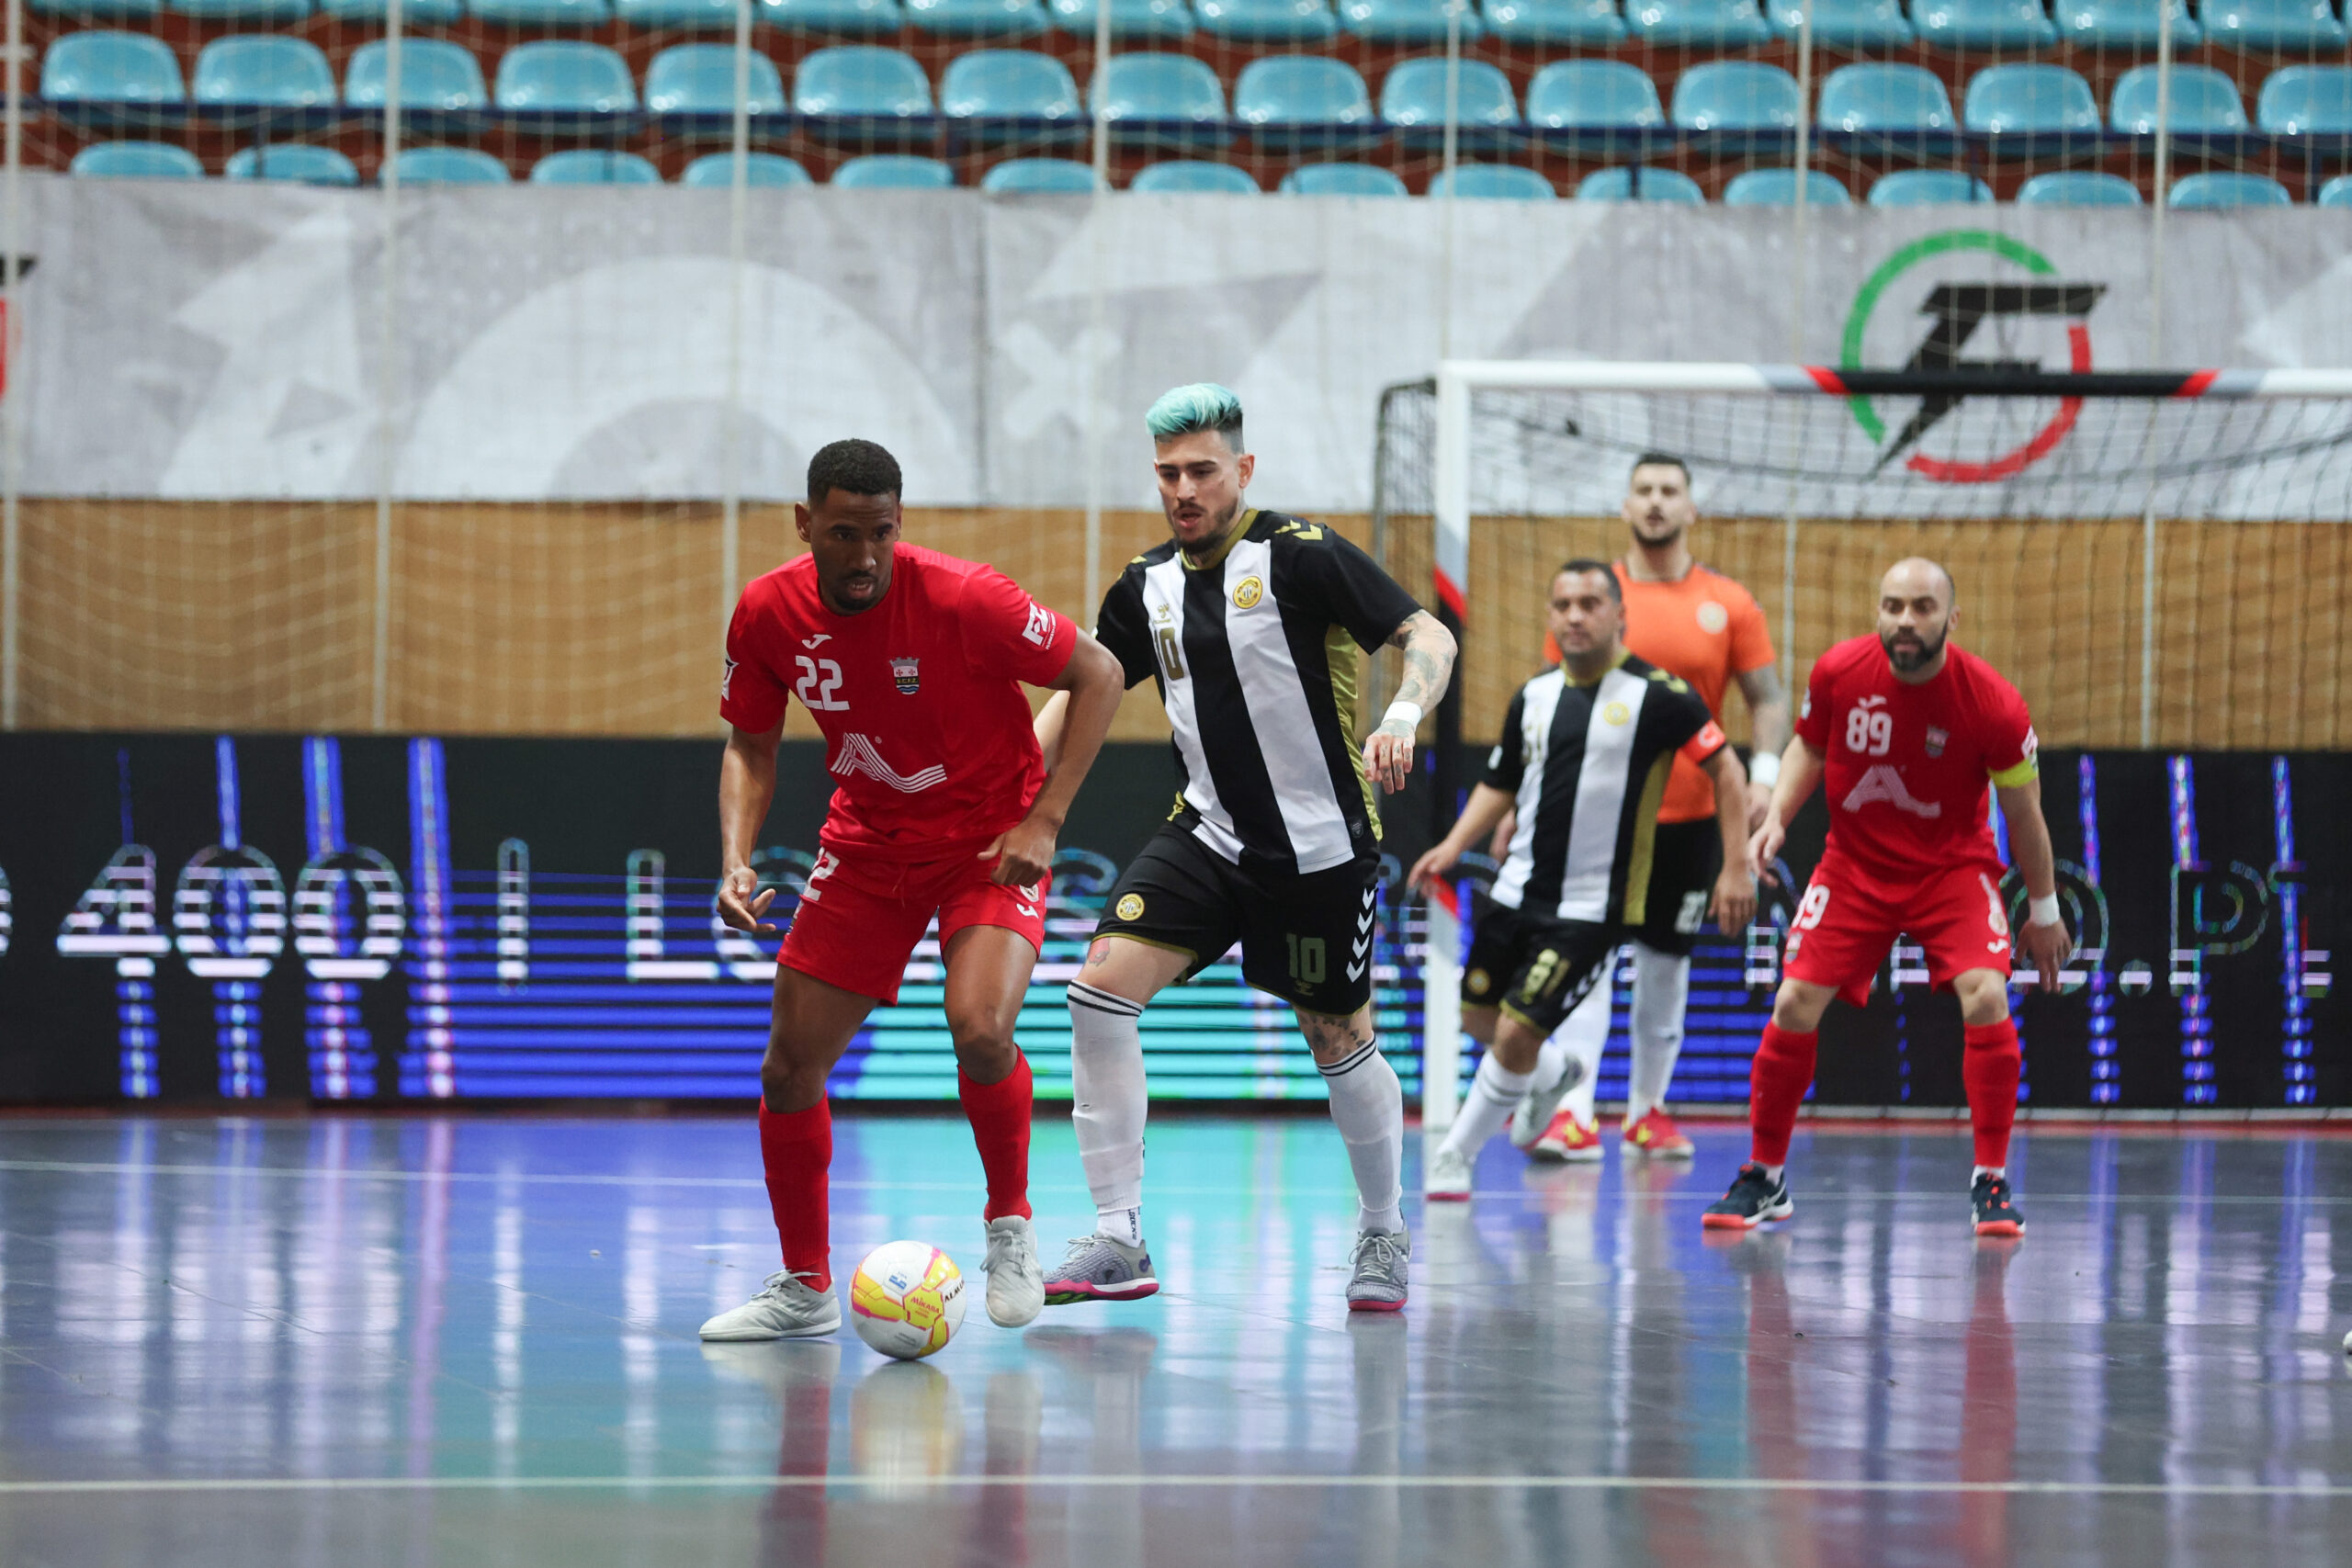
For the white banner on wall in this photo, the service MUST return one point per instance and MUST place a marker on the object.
(221, 341)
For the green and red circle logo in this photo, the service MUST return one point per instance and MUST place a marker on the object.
(1956, 311)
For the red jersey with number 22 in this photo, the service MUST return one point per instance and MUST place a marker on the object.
(1908, 765)
(919, 696)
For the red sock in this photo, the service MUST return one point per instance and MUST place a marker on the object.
(1776, 1086)
(999, 1116)
(797, 1149)
(1990, 1066)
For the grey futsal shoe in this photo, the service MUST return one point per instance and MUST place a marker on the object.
(1016, 1279)
(1100, 1269)
(1378, 1282)
(1533, 1112)
(787, 1307)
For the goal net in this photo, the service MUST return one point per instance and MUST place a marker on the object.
(2157, 559)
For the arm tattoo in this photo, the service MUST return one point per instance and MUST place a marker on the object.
(1762, 689)
(1428, 659)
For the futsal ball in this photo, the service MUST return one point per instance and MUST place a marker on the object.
(906, 1299)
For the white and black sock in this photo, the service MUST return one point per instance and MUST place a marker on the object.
(1108, 1105)
(1494, 1090)
(1368, 1107)
(1580, 1041)
(1661, 991)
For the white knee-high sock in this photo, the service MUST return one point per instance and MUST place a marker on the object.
(1368, 1107)
(1493, 1092)
(1108, 1106)
(1661, 991)
(1583, 1038)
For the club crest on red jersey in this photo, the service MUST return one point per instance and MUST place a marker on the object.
(908, 673)
(1937, 739)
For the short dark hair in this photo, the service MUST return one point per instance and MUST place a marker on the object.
(1660, 460)
(1608, 574)
(860, 468)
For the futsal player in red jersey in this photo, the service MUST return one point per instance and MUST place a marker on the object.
(911, 662)
(1907, 731)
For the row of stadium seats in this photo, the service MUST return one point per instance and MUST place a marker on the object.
(1755, 187)
(2313, 25)
(1176, 97)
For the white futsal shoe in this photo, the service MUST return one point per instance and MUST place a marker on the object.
(1532, 1115)
(787, 1307)
(1016, 1279)
(1446, 1176)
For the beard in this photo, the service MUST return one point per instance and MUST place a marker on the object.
(1909, 658)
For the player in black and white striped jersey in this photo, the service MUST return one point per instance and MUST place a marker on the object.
(1254, 625)
(1584, 757)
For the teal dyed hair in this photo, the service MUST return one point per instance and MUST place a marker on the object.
(1204, 405)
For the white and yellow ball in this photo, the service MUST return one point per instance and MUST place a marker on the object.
(906, 1299)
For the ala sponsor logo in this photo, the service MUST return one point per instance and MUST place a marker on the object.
(1884, 782)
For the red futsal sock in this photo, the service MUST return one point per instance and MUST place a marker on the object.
(1776, 1085)
(999, 1116)
(1990, 1066)
(797, 1149)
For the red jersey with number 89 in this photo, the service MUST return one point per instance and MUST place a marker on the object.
(1907, 766)
(926, 727)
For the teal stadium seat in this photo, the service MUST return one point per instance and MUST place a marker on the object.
(535, 13)
(1342, 179)
(110, 69)
(2223, 190)
(762, 171)
(1154, 21)
(594, 167)
(1736, 104)
(136, 161)
(1928, 188)
(2078, 187)
(1903, 107)
(2204, 102)
(293, 162)
(1601, 107)
(97, 10)
(860, 92)
(838, 19)
(564, 75)
(1550, 24)
(273, 12)
(1653, 184)
(1982, 26)
(1777, 188)
(977, 18)
(1412, 101)
(2030, 110)
(1854, 27)
(2124, 25)
(1040, 176)
(2306, 100)
(450, 166)
(1267, 21)
(1494, 182)
(1697, 24)
(2336, 193)
(1297, 101)
(1192, 177)
(699, 79)
(1405, 21)
(1160, 100)
(435, 74)
(678, 16)
(994, 95)
(413, 13)
(894, 171)
(2283, 27)
(262, 70)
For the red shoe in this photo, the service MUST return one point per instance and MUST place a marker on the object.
(1566, 1138)
(1657, 1136)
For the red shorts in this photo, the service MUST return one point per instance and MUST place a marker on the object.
(859, 920)
(1849, 918)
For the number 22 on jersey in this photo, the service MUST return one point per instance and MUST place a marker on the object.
(819, 678)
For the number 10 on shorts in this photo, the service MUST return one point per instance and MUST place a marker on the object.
(1306, 957)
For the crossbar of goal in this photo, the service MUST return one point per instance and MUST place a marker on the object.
(1451, 476)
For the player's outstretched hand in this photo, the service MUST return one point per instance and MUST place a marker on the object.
(1433, 865)
(1388, 754)
(1023, 854)
(2049, 947)
(1763, 848)
(1735, 901)
(741, 901)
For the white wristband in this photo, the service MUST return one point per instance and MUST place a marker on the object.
(1764, 768)
(2042, 911)
(1411, 712)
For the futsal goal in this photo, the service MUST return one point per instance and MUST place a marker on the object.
(2158, 559)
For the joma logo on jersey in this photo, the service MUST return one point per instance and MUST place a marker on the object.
(908, 673)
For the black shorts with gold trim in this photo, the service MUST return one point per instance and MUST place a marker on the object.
(1536, 969)
(1305, 937)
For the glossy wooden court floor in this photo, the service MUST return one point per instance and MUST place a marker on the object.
(345, 1341)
